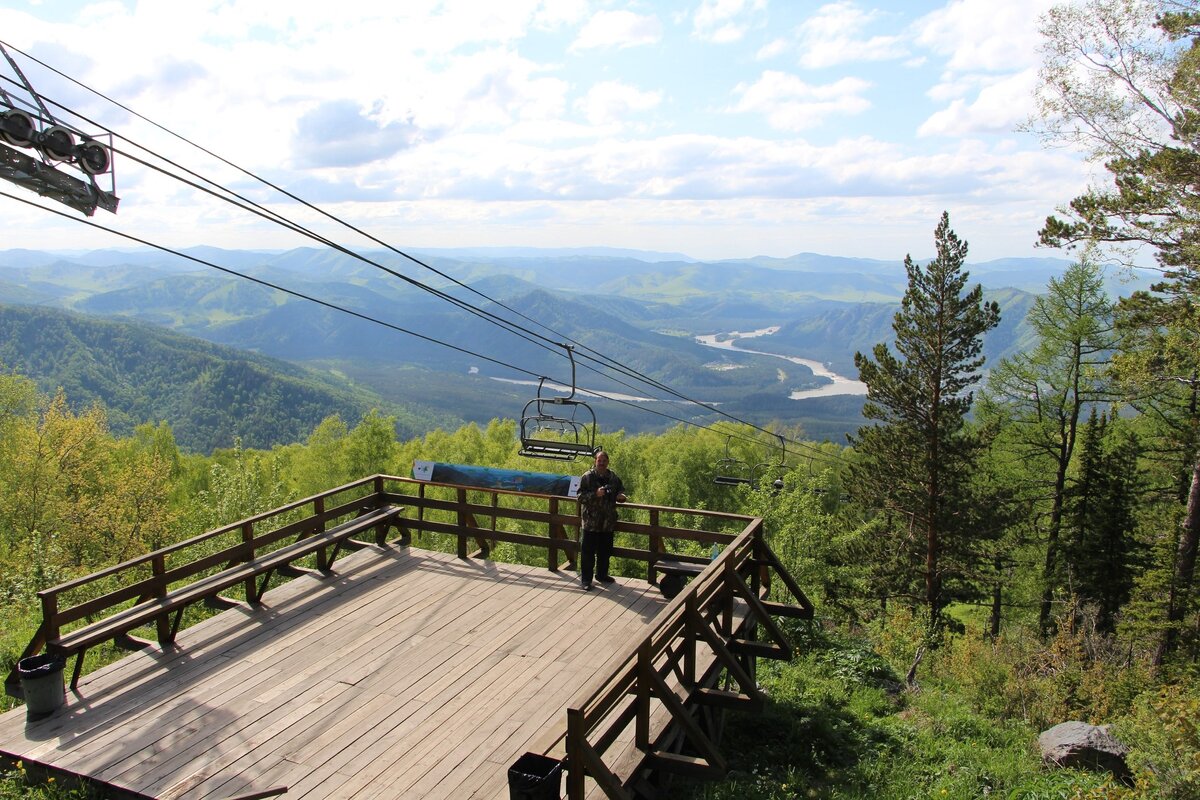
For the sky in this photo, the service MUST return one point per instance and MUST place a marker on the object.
(713, 128)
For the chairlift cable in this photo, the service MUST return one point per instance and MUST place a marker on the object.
(612, 363)
(508, 325)
(365, 317)
(270, 285)
(271, 216)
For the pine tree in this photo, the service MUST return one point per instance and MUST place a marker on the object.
(1123, 80)
(915, 466)
(1102, 558)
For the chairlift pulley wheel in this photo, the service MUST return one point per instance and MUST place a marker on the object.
(93, 158)
(57, 143)
(16, 127)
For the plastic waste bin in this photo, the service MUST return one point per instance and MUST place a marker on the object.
(535, 777)
(42, 684)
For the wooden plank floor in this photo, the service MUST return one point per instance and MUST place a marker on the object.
(407, 674)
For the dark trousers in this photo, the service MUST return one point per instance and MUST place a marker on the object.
(595, 551)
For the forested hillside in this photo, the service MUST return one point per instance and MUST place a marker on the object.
(209, 394)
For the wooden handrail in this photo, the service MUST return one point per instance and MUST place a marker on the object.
(151, 575)
(639, 693)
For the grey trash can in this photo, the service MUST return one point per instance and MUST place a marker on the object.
(42, 684)
(535, 777)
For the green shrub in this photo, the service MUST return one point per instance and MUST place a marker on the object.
(1166, 729)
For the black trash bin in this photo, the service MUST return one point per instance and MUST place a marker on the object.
(42, 684)
(535, 777)
(671, 585)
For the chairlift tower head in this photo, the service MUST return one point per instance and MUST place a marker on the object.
(53, 144)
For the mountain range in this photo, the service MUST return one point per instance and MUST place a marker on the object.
(440, 336)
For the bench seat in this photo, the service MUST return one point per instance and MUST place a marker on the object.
(676, 573)
(157, 610)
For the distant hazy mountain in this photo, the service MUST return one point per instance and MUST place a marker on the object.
(489, 253)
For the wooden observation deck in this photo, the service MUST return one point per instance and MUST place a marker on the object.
(401, 671)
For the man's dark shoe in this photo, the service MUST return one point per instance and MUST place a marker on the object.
(605, 578)
(587, 587)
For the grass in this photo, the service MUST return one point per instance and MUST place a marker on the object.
(19, 784)
(840, 725)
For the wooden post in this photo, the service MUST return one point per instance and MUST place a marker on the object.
(555, 533)
(656, 548)
(645, 664)
(323, 553)
(50, 614)
(421, 508)
(162, 623)
(248, 540)
(462, 523)
(692, 636)
(576, 735)
(760, 579)
(729, 594)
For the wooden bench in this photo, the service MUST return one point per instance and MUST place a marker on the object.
(677, 573)
(254, 574)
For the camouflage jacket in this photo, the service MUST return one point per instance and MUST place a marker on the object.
(599, 513)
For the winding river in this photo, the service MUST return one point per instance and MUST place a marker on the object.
(839, 384)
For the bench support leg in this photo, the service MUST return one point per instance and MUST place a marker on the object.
(261, 589)
(174, 627)
(75, 673)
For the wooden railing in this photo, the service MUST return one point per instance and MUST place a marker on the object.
(158, 587)
(148, 590)
(472, 518)
(652, 713)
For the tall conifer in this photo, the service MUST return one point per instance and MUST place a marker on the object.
(915, 465)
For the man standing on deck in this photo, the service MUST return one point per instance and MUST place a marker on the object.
(599, 492)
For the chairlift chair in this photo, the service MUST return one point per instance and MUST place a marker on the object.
(761, 470)
(558, 428)
(731, 471)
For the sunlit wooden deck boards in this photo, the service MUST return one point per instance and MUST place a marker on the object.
(408, 674)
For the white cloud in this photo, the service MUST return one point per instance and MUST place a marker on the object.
(834, 35)
(617, 29)
(611, 101)
(792, 104)
(990, 69)
(461, 120)
(999, 107)
(983, 35)
(725, 21)
(772, 49)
